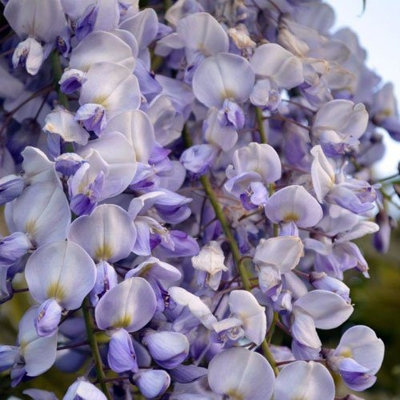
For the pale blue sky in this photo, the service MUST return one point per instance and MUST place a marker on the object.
(378, 29)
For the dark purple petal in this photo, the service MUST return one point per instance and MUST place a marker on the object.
(121, 354)
(13, 247)
(85, 24)
(11, 186)
(48, 318)
(355, 376)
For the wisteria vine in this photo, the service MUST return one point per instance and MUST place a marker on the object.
(181, 181)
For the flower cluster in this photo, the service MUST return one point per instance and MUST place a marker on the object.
(181, 182)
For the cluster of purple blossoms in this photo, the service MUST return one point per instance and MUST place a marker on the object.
(180, 182)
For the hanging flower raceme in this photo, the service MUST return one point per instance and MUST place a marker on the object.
(140, 192)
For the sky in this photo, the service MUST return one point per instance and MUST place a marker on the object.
(378, 29)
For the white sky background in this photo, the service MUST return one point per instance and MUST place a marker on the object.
(378, 30)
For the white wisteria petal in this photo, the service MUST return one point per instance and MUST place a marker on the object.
(139, 302)
(260, 158)
(155, 268)
(361, 344)
(119, 90)
(42, 19)
(38, 352)
(101, 46)
(120, 158)
(202, 33)
(84, 390)
(223, 76)
(210, 259)
(167, 348)
(62, 122)
(357, 231)
(241, 374)
(343, 117)
(283, 252)
(224, 137)
(136, 126)
(30, 54)
(304, 331)
(107, 234)
(196, 306)
(152, 383)
(60, 270)
(38, 168)
(42, 211)
(273, 61)
(294, 204)
(329, 310)
(244, 305)
(322, 173)
(143, 26)
(304, 381)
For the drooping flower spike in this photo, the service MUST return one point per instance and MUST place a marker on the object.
(217, 170)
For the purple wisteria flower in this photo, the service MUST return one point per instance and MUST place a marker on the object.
(182, 187)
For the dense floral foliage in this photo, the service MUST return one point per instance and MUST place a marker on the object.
(182, 181)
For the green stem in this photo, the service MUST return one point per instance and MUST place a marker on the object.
(268, 355)
(235, 253)
(94, 348)
(272, 328)
(238, 259)
(395, 176)
(260, 123)
(227, 231)
(57, 72)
